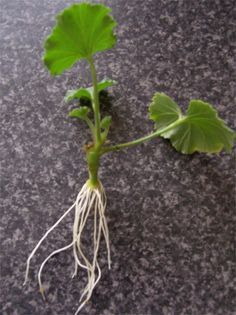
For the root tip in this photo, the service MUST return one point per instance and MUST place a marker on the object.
(41, 290)
(25, 281)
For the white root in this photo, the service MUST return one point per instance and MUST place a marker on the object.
(88, 202)
(41, 289)
(79, 208)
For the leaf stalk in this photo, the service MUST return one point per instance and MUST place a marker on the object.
(145, 138)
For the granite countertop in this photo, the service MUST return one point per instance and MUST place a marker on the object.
(171, 216)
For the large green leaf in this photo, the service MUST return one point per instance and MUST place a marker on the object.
(199, 130)
(88, 92)
(81, 31)
(163, 110)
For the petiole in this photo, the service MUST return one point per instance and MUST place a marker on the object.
(141, 140)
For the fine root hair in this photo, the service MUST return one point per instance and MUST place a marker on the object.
(89, 202)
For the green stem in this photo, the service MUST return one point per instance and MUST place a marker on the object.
(145, 138)
(93, 158)
(96, 106)
(93, 154)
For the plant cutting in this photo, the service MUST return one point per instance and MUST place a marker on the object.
(81, 31)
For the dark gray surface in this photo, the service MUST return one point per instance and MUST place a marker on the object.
(171, 217)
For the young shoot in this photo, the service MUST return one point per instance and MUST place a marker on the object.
(81, 31)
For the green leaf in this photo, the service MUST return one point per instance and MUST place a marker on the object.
(106, 122)
(77, 94)
(102, 85)
(200, 130)
(81, 31)
(88, 92)
(81, 112)
(163, 110)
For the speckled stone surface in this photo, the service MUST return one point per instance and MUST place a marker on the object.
(171, 217)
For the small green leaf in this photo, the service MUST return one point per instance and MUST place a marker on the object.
(81, 31)
(88, 92)
(81, 112)
(163, 110)
(200, 130)
(102, 85)
(77, 94)
(106, 122)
